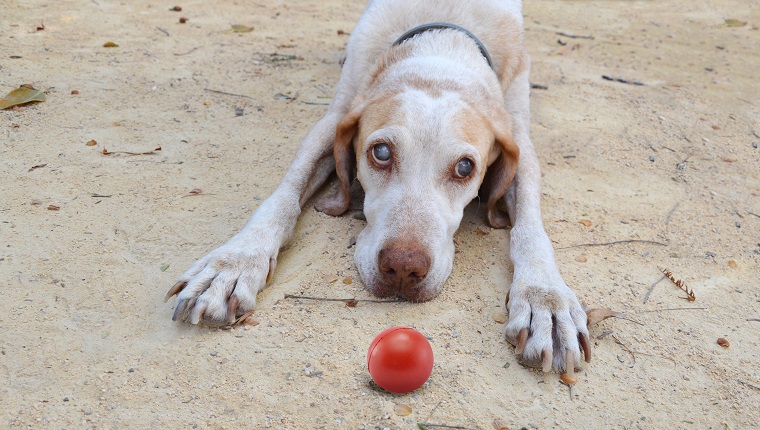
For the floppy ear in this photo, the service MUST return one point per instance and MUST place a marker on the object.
(501, 173)
(345, 166)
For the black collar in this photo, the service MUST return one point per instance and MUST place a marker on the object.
(443, 26)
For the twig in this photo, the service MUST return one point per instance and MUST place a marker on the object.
(646, 297)
(539, 87)
(228, 94)
(621, 80)
(188, 52)
(443, 426)
(430, 415)
(107, 152)
(753, 319)
(163, 31)
(754, 214)
(747, 383)
(573, 36)
(326, 299)
(667, 219)
(680, 284)
(676, 309)
(617, 242)
(626, 349)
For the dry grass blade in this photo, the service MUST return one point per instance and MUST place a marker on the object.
(680, 284)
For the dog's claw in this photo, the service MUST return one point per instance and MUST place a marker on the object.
(179, 309)
(585, 344)
(569, 364)
(197, 314)
(522, 339)
(179, 286)
(546, 358)
(232, 309)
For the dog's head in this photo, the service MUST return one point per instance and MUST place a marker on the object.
(422, 143)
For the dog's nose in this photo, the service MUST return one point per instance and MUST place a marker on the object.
(403, 265)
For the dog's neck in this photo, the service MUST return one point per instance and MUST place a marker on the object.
(444, 26)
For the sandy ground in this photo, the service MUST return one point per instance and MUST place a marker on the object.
(88, 342)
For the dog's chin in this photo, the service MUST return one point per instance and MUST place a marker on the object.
(416, 294)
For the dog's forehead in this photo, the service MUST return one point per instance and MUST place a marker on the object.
(429, 116)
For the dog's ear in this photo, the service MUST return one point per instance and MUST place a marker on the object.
(501, 172)
(345, 165)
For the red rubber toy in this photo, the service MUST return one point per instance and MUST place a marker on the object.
(400, 359)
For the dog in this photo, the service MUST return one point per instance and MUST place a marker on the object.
(432, 107)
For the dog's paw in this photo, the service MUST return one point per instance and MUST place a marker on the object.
(547, 325)
(224, 283)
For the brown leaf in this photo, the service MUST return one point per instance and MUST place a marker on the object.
(595, 316)
(53, 207)
(499, 425)
(196, 191)
(585, 222)
(581, 259)
(732, 264)
(351, 303)
(568, 378)
(348, 280)
(110, 45)
(91, 143)
(723, 342)
(74, 92)
(20, 96)
(403, 410)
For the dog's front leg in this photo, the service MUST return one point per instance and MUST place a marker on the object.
(547, 323)
(225, 282)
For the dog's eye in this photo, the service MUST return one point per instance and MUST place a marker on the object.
(381, 153)
(463, 168)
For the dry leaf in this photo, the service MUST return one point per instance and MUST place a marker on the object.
(110, 45)
(91, 143)
(723, 342)
(403, 410)
(196, 191)
(731, 22)
(581, 259)
(239, 28)
(500, 317)
(585, 222)
(500, 425)
(348, 280)
(732, 264)
(568, 379)
(53, 207)
(250, 322)
(595, 316)
(351, 303)
(74, 92)
(329, 278)
(20, 96)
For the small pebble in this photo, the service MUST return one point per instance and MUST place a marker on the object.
(214, 353)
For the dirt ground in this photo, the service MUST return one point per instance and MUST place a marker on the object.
(87, 341)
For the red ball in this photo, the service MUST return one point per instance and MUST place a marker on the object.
(400, 359)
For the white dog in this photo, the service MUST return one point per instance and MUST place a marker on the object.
(432, 106)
